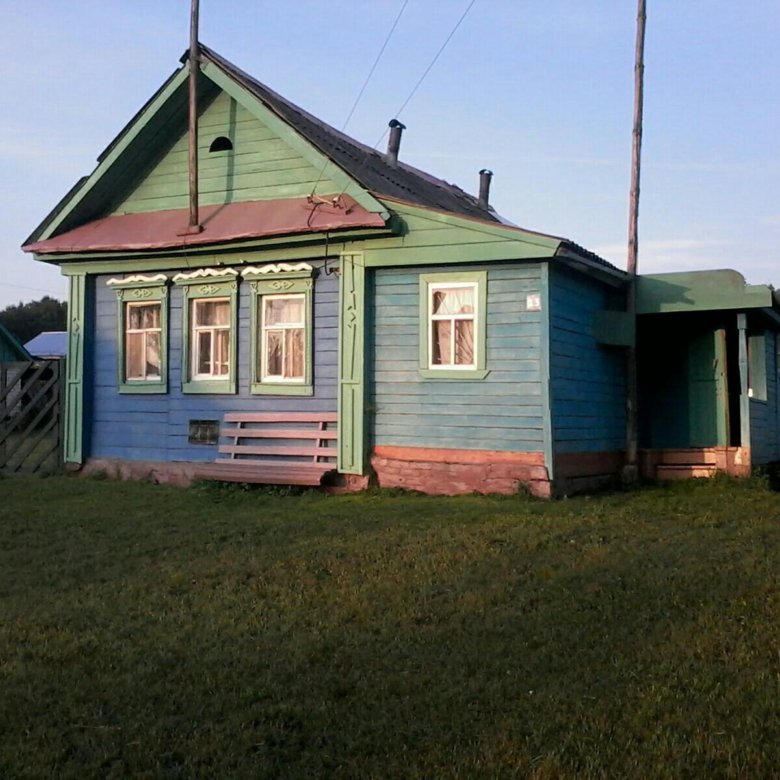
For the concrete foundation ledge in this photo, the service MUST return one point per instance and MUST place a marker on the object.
(453, 472)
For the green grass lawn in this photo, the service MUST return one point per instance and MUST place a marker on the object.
(147, 631)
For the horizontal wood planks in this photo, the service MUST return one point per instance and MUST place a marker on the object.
(261, 166)
(587, 380)
(155, 427)
(502, 412)
(764, 423)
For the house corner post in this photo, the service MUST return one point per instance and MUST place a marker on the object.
(547, 400)
(744, 398)
(351, 391)
(74, 383)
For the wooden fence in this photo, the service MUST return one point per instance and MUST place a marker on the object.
(32, 402)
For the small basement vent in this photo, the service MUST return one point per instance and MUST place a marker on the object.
(203, 432)
(221, 144)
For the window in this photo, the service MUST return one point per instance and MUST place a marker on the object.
(210, 338)
(221, 144)
(282, 355)
(281, 329)
(452, 325)
(143, 337)
(209, 309)
(142, 333)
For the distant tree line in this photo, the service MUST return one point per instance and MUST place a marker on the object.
(26, 320)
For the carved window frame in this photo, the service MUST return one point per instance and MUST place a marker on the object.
(268, 282)
(430, 282)
(201, 285)
(141, 289)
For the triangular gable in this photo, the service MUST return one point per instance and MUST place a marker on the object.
(143, 170)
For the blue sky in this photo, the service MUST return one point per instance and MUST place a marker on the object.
(539, 92)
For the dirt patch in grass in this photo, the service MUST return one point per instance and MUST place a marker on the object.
(149, 631)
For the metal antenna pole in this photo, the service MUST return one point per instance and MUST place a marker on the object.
(632, 417)
(194, 65)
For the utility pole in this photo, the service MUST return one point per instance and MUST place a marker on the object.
(194, 65)
(632, 418)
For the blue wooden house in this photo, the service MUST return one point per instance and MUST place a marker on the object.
(338, 315)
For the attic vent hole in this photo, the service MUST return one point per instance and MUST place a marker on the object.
(221, 144)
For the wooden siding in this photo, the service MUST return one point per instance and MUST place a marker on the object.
(587, 380)
(155, 427)
(502, 412)
(765, 415)
(262, 166)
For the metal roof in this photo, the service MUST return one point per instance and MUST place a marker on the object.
(50, 343)
(221, 223)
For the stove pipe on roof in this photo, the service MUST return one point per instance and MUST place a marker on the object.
(394, 142)
(484, 188)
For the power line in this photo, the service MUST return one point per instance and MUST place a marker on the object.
(365, 84)
(25, 287)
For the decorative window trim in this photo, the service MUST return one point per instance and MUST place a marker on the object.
(203, 284)
(287, 280)
(139, 288)
(478, 371)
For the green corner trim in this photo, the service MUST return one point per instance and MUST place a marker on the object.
(544, 349)
(196, 288)
(352, 381)
(74, 386)
(479, 370)
(283, 283)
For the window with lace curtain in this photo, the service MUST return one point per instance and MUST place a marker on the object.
(452, 325)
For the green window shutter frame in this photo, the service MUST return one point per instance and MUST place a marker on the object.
(480, 370)
(141, 289)
(202, 285)
(757, 367)
(261, 283)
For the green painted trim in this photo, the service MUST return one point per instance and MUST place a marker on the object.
(281, 284)
(74, 385)
(352, 380)
(303, 147)
(545, 323)
(141, 292)
(506, 232)
(478, 278)
(129, 134)
(699, 291)
(744, 398)
(392, 253)
(197, 289)
(453, 374)
(757, 367)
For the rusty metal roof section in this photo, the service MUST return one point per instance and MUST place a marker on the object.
(363, 163)
(221, 223)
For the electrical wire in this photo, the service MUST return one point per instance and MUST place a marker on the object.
(365, 85)
(418, 84)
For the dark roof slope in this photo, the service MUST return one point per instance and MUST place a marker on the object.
(361, 162)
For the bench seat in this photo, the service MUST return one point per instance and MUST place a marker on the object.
(274, 448)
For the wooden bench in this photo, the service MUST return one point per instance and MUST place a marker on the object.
(282, 448)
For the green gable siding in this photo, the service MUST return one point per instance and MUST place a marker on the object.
(262, 165)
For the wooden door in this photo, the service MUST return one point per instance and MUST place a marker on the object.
(708, 409)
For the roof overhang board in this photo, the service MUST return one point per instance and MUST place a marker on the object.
(699, 291)
(587, 263)
(307, 150)
(132, 142)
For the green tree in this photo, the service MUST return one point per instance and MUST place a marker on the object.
(26, 320)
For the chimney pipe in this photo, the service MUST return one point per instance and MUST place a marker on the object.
(394, 142)
(484, 188)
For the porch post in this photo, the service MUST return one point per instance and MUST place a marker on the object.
(74, 367)
(744, 399)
